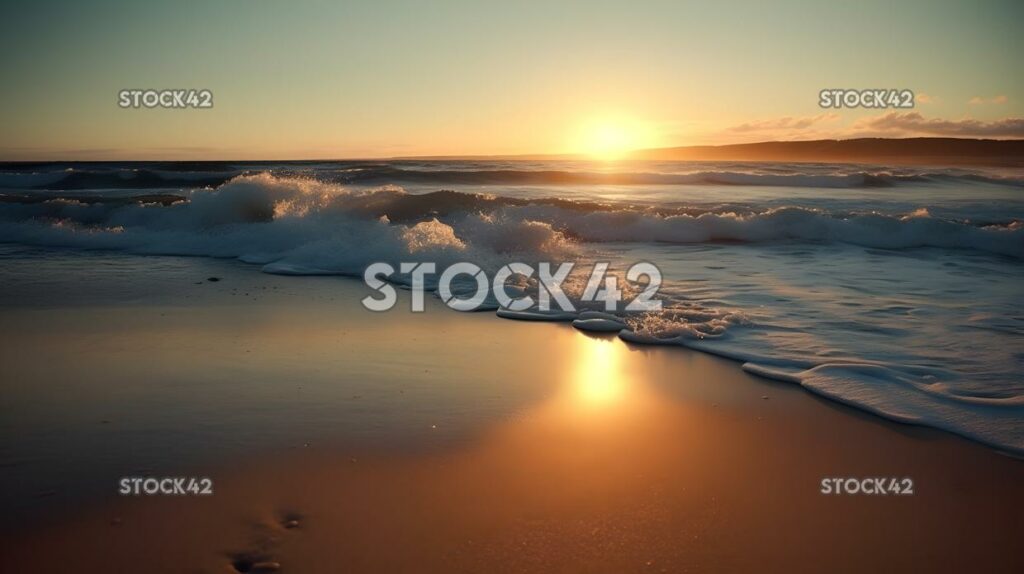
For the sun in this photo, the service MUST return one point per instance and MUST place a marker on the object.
(611, 139)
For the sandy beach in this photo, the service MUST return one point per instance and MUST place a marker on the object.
(340, 440)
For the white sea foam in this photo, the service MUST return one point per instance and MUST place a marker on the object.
(913, 398)
(599, 325)
(911, 312)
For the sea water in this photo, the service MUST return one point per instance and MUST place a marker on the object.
(897, 290)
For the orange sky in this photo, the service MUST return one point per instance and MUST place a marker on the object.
(322, 80)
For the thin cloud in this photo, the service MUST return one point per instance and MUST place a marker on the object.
(923, 98)
(913, 123)
(978, 100)
(784, 124)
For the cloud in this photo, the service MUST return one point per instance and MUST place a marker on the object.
(787, 123)
(923, 98)
(913, 123)
(978, 100)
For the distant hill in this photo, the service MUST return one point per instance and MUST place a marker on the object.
(945, 151)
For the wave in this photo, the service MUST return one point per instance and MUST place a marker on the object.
(912, 398)
(854, 179)
(265, 198)
(112, 179)
(197, 174)
(300, 225)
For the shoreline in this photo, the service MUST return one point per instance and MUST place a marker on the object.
(891, 414)
(465, 446)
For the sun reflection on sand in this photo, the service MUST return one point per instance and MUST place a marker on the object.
(598, 393)
(597, 378)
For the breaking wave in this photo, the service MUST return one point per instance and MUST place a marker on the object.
(923, 359)
(158, 175)
(297, 211)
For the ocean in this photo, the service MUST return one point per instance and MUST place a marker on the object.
(897, 290)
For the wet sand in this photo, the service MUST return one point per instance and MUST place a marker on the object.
(344, 441)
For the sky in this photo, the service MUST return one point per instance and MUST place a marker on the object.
(321, 79)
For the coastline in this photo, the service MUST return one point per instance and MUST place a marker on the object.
(514, 447)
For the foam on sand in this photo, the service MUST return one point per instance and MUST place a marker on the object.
(599, 322)
(809, 289)
(913, 398)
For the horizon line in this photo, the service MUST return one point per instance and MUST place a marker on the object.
(565, 156)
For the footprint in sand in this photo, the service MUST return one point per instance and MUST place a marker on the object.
(254, 564)
(265, 540)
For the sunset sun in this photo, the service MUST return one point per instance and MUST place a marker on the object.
(611, 139)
